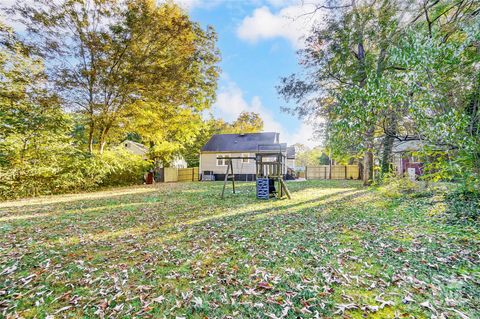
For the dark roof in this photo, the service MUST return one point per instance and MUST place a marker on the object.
(239, 142)
(291, 152)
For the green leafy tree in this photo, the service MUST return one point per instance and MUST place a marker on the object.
(33, 128)
(305, 156)
(387, 70)
(247, 122)
(126, 66)
(439, 60)
(347, 59)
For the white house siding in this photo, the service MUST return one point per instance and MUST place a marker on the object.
(179, 162)
(135, 148)
(208, 162)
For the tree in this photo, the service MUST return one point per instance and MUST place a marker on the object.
(33, 128)
(125, 65)
(247, 122)
(346, 60)
(376, 77)
(305, 156)
(438, 69)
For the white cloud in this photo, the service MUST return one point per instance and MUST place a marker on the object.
(292, 22)
(231, 102)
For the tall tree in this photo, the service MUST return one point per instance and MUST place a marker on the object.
(33, 128)
(247, 122)
(122, 63)
(438, 58)
(384, 70)
(346, 59)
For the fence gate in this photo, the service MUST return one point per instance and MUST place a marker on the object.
(338, 172)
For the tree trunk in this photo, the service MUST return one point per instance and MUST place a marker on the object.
(360, 169)
(368, 159)
(90, 137)
(330, 165)
(390, 132)
(387, 154)
(368, 168)
(103, 139)
(101, 147)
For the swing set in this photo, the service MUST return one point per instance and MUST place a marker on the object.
(270, 167)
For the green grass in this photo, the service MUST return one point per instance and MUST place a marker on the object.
(178, 250)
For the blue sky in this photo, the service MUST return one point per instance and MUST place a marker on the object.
(258, 40)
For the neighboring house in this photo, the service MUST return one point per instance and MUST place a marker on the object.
(178, 162)
(215, 153)
(291, 157)
(405, 156)
(140, 149)
(135, 148)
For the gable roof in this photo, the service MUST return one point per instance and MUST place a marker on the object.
(415, 145)
(239, 142)
(135, 145)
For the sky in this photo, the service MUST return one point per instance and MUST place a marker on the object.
(258, 41)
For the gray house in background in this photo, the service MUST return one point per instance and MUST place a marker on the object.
(135, 148)
(215, 153)
(139, 149)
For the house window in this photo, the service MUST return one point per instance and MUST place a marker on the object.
(245, 160)
(222, 160)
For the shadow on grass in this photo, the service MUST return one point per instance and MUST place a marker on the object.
(80, 197)
(47, 205)
(226, 216)
(107, 208)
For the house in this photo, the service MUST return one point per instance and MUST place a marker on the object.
(178, 161)
(215, 153)
(139, 149)
(135, 148)
(291, 157)
(406, 155)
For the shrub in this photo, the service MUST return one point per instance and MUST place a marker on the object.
(463, 205)
(120, 167)
(396, 187)
(62, 168)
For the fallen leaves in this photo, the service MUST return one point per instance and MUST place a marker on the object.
(184, 253)
(264, 285)
(158, 299)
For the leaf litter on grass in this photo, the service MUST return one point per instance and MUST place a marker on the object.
(334, 250)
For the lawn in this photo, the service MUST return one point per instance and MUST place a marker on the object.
(179, 251)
